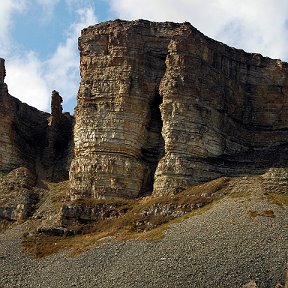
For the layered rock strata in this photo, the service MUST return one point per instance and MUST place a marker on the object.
(19, 196)
(118, 139)
(33, 139)
(58, 153)
(162, 107)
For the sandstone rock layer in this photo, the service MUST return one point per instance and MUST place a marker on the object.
(162, 107)
(33, 139)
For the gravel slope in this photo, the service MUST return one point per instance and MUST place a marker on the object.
(224, 247)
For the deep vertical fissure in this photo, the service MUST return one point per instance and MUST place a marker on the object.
(153, 151)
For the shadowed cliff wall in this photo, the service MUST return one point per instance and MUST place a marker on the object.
(28, 139)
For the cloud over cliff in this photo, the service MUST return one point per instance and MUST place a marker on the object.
(256, 26)
(31, 78)
(33, 71)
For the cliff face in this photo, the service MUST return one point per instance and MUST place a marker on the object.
(162, 107)
(118, 139)
(29, 138)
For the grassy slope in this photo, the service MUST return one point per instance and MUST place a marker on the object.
(139, 220)
(201, 197)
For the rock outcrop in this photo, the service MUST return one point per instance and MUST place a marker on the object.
(19, 196)
(162, 107)
(2, 70)
(33, 139)
(34, 146)
(22, 130)
(59, 152)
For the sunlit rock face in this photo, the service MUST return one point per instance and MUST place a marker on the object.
(162, 107)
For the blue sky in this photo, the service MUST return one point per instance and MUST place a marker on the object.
(38, 38)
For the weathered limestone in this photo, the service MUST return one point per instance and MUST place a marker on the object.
(217, 102)
(18, 197)
(58, 153)
(2, 70)
(118, 124)
(27, 139)
(162, 107)
(22, 131)
(56, 106)
(33, 145)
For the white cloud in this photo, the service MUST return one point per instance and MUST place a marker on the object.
(62, 69)
(48, 7)
(8, 8)
(256, 26)
(32, 80)
(25, 79)
(86, 17)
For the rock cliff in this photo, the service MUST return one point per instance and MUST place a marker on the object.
(34, 146)
(162, 107)
(33, 139)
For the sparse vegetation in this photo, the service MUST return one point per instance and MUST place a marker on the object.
(278, 198)
(57, 192)
(53, 197)
(147, 218)
(265, 213)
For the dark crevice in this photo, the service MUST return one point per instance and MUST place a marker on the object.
(153, 151)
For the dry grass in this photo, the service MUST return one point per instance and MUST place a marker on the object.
(279, 199)
(152, 225)
(265, 213)
(57, 192)
(52, 199)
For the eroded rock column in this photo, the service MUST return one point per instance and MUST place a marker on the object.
(57, 154)
(2, 70)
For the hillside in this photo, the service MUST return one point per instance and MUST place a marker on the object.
(173, 172)
(241, 238)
